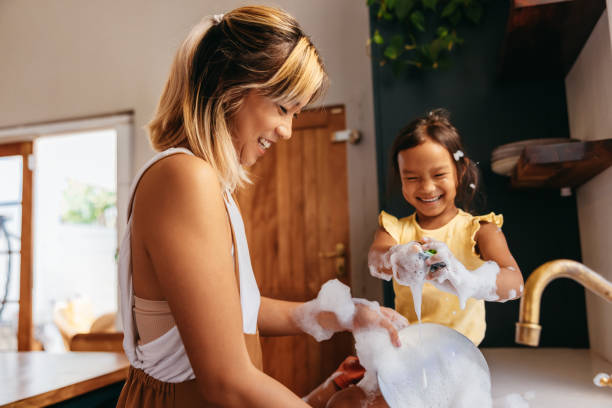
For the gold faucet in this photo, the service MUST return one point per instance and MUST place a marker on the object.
(528, 328)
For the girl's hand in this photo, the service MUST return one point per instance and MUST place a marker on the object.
(452, 276)
(444, 269)
(406, 262)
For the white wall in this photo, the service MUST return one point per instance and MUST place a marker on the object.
(62, 59)
(589, 101)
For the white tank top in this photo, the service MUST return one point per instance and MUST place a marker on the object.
(165, 358)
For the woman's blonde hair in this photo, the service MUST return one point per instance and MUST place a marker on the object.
(221, 60)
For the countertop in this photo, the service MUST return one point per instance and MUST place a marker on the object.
(38, 378)
(557, 377)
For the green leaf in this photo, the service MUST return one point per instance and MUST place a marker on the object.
(436, 47)
(395, 47)
(391, 52)
(474, 13)
(418, 20)
(442, 32)
(369, 3)
(397, 40)
(377, 38)
(391, 4)
(449, 8)
(430, 4)
(403, 8)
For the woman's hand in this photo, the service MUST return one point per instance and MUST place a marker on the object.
(368, 317)
(334, 310)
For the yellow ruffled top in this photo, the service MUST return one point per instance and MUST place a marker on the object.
(438, 306)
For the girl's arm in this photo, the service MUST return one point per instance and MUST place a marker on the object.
(185, 230)
(492, 246)
(383, 241)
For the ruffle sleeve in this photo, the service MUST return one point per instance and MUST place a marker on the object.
(493, 218)
(391, 224)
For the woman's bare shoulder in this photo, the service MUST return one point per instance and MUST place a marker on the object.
(177, 193)
(180, 169)
(180, 177)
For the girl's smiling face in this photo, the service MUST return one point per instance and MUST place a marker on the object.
(429, 182)
(259, 123)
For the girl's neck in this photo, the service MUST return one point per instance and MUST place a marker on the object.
(437, 221)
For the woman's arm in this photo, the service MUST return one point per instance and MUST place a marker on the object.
(278, 318)
(492, 246)
(185, 229)
(382, 242)
(275, 317)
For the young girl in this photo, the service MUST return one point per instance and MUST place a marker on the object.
(471, 255)
(460, 253)
(437, 177)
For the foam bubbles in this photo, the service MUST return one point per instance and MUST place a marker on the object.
(511, 401)
(412, 266)
(334, 297)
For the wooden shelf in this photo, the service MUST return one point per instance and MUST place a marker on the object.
(544, 37)
(562, 165)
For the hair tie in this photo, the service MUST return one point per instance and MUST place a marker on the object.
(217, 18)
(457, 155)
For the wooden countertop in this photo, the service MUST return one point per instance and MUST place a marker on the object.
(38, 378)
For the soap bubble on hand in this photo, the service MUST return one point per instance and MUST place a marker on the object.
(351, 314)
(407, 263)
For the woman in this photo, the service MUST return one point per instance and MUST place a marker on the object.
(191, 309)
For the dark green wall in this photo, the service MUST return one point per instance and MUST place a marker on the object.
(539, 225)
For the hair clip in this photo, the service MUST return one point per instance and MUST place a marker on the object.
(457, 155)
(473, 186)
(217, 18)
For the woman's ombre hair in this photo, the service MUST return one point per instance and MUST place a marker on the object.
(222, 59)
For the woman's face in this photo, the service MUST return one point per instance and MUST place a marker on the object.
(429, 179)
(259, 123)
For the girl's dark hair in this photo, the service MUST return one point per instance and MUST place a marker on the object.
(436, 126)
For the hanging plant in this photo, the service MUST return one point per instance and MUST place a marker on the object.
(422, 33)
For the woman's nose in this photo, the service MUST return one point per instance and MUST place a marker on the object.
(284, 131)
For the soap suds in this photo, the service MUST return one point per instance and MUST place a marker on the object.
(513, 401)
(412, 264)
(600, 379)
(335, 297)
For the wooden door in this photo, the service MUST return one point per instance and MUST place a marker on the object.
(295, 213)
(20, 154)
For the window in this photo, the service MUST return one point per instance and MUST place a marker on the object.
(80, 188)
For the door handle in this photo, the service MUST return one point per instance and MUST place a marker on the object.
(340, 256)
